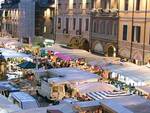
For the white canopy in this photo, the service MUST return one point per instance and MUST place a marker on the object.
(71, 75)
(74, 53)
(8, 53)
(90, 87)
(128, 70)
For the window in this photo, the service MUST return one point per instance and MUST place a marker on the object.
(92, 3)
(104, 4)
(125, 32)
(94, 27)
(55, 89)
(126, 5)
(88, 4)
(87, 25)
(61, 89)
(102, 27)
(74, 5)
(109, 28)
(45, 29)
(66, 6)
(80, 5)
(136, 32)
(74, 24)
(67, 24)
(137, 5)
(59, 23)
(59, 6)
(25, 40)
(80, 26)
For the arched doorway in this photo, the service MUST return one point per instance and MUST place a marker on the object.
(98, 48)
(137, 58)
(111, 52)
(74, 42)
(84, 44)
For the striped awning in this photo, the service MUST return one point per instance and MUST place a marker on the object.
(105, 95)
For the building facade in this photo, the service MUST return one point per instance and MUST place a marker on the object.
(10, 18)
(122, 27)
(134, 30)
(28, 19)
(44, 14)
(73, 23)
(105, 27)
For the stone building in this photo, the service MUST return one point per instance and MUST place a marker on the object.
(134, 30)
(10, 18)
(104, 27)
(122, 27)
(44, 22)
(28, 19)
(73, 23)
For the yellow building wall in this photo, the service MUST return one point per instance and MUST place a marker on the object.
(138, 20)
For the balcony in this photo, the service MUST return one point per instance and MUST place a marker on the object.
(104, 36)
(104, 12)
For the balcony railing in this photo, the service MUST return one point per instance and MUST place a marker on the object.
(104, 12)
(103, 36)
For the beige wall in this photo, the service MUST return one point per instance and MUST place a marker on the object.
(139, 20)
(11, 20)
(48, 25)
(97, 3)
(67, 10)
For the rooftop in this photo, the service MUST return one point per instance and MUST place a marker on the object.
(61, 108)
(90, 87)
(134, 104)
(7, 106)
(71, 74)
(24, 97)
(7, 85)
(145, 89)
(134, 72)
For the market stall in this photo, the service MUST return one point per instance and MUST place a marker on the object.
(8, 53)
(130, 74)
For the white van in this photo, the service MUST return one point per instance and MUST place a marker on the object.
(8, 107)
(7, 87)
(23, 100)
